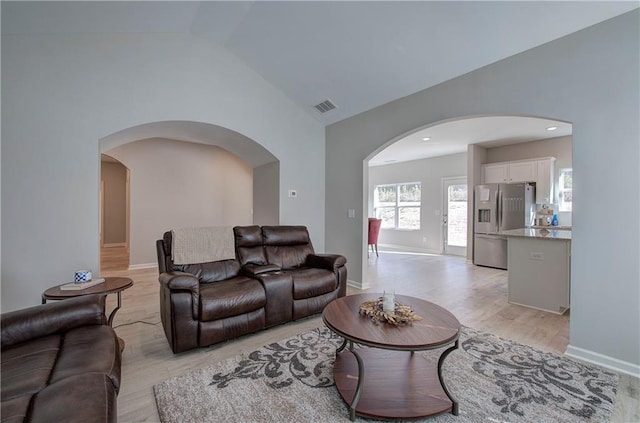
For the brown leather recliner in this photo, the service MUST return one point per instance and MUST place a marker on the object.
(203, 304)
(297, 281)
(60, 363)
(280, 280)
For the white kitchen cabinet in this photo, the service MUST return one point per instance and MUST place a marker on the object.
(539, 170)
(545, 180)
(523, 171)
(495, 173)
(508, 172)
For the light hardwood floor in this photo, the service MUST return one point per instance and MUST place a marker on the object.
(114, 258)
(476, 295)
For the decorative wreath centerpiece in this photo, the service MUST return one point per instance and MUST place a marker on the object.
(401, 315)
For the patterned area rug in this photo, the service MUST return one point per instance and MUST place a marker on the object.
(494, 380)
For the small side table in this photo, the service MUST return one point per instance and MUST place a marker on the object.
(109, 286)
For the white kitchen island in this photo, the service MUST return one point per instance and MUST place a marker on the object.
(539, 264)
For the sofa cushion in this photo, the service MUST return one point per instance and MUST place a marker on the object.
(286, 246)
(285, 235)
(56, 318)
(248, 240)
(229, 298)
(15, 410)
(89, 349)
(220, 330)
(287, 257)
(312, 282)
(60, 362)
(88, 397)
(212, 271)
(26, 367)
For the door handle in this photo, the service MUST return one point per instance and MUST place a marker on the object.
(499, 210)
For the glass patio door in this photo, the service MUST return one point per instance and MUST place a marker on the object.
(454, 215)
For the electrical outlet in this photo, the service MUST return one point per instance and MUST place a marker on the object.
(535, 255)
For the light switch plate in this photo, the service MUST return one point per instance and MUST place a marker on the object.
(293, 193)
(351, 213)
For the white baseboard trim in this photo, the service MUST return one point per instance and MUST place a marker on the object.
(356, 284)
(114, 244)
(603, 360)
(408, 249)
(143, 266)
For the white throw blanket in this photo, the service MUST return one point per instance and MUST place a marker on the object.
(202, 245)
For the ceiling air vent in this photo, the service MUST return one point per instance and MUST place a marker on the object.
(325, 106)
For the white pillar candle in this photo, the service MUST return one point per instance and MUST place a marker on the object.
(388, 302)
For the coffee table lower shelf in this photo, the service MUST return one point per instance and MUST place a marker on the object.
(399, 384)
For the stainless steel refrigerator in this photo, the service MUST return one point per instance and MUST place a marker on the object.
(499, 207)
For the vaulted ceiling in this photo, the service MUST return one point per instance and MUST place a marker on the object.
(357, 54)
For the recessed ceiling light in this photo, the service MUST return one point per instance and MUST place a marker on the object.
(426, 138)
(552, 128)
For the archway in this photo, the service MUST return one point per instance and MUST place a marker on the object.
(193, 174)
(469, 138)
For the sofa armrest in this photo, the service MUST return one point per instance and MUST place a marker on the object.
(251, 269)
(55, 317)
(331, 262)
(180, 281)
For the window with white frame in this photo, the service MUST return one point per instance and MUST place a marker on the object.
(565, 193)
(398, 205)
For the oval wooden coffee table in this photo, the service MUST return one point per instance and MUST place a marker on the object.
(389, 381)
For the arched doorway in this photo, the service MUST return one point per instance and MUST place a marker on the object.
(192, 174)
(432, 154)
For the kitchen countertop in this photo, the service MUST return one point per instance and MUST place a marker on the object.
(538, 233)
(549, 227)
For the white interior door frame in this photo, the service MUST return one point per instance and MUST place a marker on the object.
(127, 208)
(101, 213)
(446, 247)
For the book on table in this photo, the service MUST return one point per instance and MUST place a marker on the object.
(77, 286)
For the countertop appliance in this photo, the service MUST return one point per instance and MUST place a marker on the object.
(499, 207)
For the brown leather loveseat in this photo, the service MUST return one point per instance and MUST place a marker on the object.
(275, 278)
(298, 282)
(60, 363)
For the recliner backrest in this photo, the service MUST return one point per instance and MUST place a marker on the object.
(286, 246)
(205, 272)
(248, 240)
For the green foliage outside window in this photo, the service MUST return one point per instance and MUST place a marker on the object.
(398, 205)
(565, 190)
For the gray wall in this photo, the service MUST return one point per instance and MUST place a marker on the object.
(266, 194)
(559, 147)
(63, 93)
(589, 78)
(176, 184)
(429, 172)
